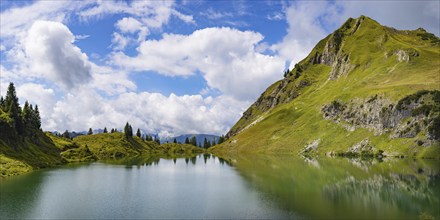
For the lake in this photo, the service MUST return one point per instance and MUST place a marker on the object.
(251, 187)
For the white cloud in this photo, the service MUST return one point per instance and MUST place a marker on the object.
(143, 16)
(128, 25)
(151, 112)
(36, 94)
(52, 54)
(304, 29)
(81, 37)
(211, 14)
(277, 16)
(110, 81)
(227, 58)
(408, 15)
(119, 41)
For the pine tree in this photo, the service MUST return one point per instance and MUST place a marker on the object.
(66, 134)
(90, 131)
(128, 130)
(105, 130)
(175, 141)
(27, 115)
(2, 103)
(37, 118)
(221, 139)
(186, 140)
(138, 133)
(12, 107)
(157, 140)
(193, 141)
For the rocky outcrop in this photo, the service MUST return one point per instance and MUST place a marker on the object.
(311, 146)
(404, 119)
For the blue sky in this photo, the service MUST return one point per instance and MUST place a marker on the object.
(168, 67)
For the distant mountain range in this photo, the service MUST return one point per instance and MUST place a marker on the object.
(200, 138)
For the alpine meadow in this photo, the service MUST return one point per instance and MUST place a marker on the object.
(220, 110)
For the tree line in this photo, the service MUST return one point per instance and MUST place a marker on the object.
(15, 120)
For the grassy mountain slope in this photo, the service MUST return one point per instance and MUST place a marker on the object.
(363, 67)
(47, 150)
(22, 154)
(117, 145)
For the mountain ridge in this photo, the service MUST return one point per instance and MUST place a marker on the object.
(360, 60)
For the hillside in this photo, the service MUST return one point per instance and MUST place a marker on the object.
(25, 147)
(364, 89)
(117, 145)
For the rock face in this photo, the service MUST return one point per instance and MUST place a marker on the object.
(406, 118)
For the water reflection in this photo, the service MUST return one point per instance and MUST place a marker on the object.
(244, 187)
(346, 188)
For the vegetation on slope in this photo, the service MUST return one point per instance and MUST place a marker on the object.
(356, 63)
(24, 146)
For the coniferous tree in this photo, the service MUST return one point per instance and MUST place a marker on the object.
(66, 134)
(2, 103)
(128, 130)
(12, 107)
(105, 130)
(36, 119)
(157, 140)
(138, 133)
(90, 131)
(27, 115)
(112, 131)
(175, 141)
(186, 140)
(221, 139)
(193, 141)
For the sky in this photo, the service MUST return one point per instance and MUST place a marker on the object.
(168, 67)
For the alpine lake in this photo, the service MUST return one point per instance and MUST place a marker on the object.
(208, 187)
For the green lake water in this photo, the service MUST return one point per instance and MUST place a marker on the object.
(251, 187)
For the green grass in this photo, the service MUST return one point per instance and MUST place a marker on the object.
(290, 126)
(12, 167)
(117, 146)
(48, 150)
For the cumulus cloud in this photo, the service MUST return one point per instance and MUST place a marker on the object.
(142, 17)
(227, 58)
(52, 54)
(110, 81)
(304, 29)
(14, 20)
(37, 94)
(151, 112)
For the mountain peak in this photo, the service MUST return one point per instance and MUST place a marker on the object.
(361, 52)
